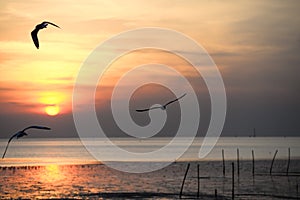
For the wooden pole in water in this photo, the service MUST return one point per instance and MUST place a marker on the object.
(223, 158)
(198, 180)
(253, 163)
(216, 194)
(186, 171)
(289, 160)
(232, 192)
(238, 161)
(273, 161)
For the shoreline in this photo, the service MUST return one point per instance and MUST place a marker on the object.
(94, 162)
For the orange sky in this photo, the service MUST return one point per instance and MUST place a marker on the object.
(242, 37)
(37, 78)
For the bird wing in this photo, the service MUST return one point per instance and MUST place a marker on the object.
(18, 133)
(175, 99)
(51, 24)
(36, 127)
(147, 109)
(35, 37)
(14, 135)
(142, 110)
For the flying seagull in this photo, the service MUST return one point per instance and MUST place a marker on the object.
(21, 134)
(163, 107)
(38, 27)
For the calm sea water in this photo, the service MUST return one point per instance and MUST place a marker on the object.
(48, 177)
(28, 151)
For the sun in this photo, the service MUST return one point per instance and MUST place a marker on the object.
(52, 102)
(52, 110)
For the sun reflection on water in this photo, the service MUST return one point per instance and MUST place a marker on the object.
(52, 173)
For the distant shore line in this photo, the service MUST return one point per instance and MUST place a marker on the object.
(92, 163)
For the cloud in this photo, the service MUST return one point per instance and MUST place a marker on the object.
(255, 45)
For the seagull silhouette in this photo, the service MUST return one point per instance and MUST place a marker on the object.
(21, 134)
(34, 33)
(163, 107)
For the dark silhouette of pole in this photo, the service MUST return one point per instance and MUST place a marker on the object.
(238, 161)
(253, 163)
(273, 161)
(186, 171)
(289, 160)
(198, 180)
(232, 192)
(216, 194)
(223, 158)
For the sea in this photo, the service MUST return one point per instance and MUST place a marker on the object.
(63, 168)
(41, 151)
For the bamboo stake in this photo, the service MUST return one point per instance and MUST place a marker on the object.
(232, 192)
(198, 180)
(238, 161)
(253, 163)
(273, 161)
(223, 158)
(216, 194)
(289, 160)
(186, 171)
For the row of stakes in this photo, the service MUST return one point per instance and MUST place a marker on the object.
(198, 170)
(30, 167)
(198, 182)
(238, 172)
(253, 162)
